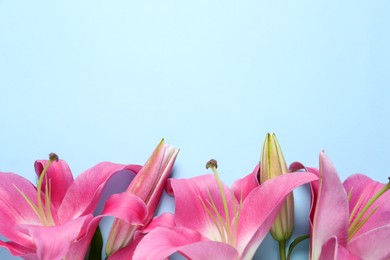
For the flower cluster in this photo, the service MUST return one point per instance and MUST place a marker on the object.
(56, 218)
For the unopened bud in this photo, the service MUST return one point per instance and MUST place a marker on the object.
(272, 165)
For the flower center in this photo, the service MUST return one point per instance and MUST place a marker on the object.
(42, 208)
(355, 224)
(222, 221)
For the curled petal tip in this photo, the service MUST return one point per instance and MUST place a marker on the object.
(212, 163)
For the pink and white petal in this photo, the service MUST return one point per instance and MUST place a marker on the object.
(261, 207)
(14, 209)
(84, 193)
(373, 244)
(59, 176)
(331, 213)
(244, 186)
(162, 242)
(193, 195)
(331, 250)
(54, 242)
(362, 189)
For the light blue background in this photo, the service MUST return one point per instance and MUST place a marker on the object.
(106, 80)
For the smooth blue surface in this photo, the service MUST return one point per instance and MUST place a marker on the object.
(106, 80)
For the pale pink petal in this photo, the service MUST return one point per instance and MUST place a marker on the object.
(331, 250)
(330, 217)
(362, 189)
(59, 176)
(261, 207)
(54, 242)
(193, 195)
(14, 209)
(84, 193)
(373, 244)
(244, 186)
(163, 242)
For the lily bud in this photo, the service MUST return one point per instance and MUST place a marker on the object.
(272, 165)
(148, 185)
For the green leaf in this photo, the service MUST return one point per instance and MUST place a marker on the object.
(295, 243)
(95, 248)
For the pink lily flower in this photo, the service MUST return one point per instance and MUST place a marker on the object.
(148, 185)
(213, 220)
(54, 219)
(349, 220)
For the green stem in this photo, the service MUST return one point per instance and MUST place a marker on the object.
(282, 249)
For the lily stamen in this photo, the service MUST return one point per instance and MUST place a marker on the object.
(223, 225)
(42, 210)
(361, 219)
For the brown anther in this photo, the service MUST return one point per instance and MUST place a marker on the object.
(211, 163)
(53, 157)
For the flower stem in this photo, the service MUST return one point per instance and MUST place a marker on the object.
(282, 249)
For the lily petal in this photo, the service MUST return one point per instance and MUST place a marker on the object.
(330, 215)
(14, 209)
(244, 186)
(59, 176)
(16, 249)
(84, 193)
(331, 250)
(56, 246)
(150, 182)
(261, 207)
(163, 242)
(164, 220)
(127, 207)
(208, 249)
(296, 166)
(127, 252)
(362, 189)
(148, 185)
(193, 195)
(373, 244)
